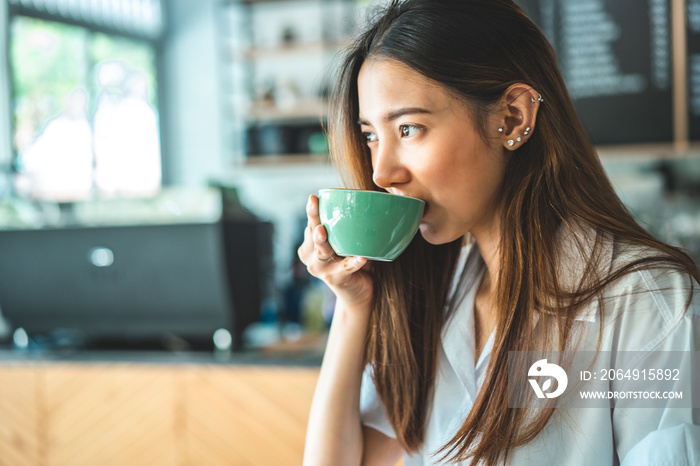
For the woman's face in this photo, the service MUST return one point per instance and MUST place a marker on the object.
(424, 144)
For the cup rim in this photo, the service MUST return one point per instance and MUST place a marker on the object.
(369, 191)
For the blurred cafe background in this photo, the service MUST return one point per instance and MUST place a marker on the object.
(155, 161)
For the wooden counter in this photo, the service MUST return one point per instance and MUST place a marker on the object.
(56, 413)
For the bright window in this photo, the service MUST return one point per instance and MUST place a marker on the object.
(85, 112)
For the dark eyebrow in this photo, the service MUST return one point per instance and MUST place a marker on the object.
(399, 113)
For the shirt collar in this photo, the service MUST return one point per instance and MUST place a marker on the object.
(577, 248)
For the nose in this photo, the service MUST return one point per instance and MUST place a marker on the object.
(389, 171)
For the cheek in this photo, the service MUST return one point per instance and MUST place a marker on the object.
(454, 168)
(467, 181)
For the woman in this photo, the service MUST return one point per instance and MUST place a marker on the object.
(523, 246)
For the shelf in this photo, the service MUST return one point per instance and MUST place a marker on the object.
(648, 152)
(295, 48)
(253, 2)
(292, 159)
(277, 56)
(305, 109)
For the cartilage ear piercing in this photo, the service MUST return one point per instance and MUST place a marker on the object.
(510, 142)
(500, 130)
(527, 131)
(539, 98)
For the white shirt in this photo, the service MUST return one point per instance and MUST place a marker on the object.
(652, 320)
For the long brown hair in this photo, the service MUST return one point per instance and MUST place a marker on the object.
(477, 49)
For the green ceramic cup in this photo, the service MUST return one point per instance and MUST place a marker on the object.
(371, 224)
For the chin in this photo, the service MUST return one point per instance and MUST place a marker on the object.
(434, 236)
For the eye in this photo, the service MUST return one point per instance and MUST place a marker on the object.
(370, 137)
(409, 130)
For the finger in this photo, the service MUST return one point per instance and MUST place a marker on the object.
(320, 234)
(322, 248)
(353, 264)
(312, 212)
(306, 249)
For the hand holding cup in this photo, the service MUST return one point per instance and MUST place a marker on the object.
(347, 227)
(344, 275)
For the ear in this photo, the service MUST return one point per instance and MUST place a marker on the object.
(517, 118)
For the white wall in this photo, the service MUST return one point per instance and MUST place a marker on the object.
(193, 145)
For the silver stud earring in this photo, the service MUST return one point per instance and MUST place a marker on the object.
(518, 139)
(500, 130)
(511, 142)
(527, 131)
(539, 98)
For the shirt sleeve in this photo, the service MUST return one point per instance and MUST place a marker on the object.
(662, 436)
(372, 411)
(677, 446)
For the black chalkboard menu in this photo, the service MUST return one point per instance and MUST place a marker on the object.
(615, 56)
(693, 32)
